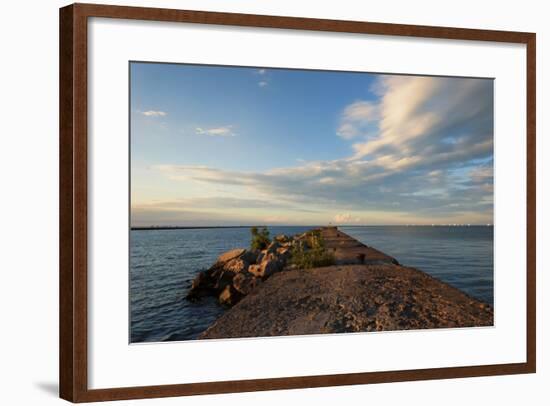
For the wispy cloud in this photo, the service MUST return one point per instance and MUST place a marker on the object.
(264, 77)
(346, 219)
(358, 119)
(217, 202)
(154, 113)
(214, 210)
(429, 121)
(224, 131)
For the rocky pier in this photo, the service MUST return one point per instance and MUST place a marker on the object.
(325, 281)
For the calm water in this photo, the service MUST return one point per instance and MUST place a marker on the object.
(163, 263)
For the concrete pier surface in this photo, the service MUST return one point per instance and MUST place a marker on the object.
(365, 290)
(347, 250)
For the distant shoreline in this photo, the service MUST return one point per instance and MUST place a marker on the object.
(192, 227)
(149, 228)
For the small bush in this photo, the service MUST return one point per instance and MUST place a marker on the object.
(311, 252)
(260, 238)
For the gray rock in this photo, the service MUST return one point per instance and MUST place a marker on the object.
(228, 256)
(250, 256)
(273, 247)
(229, 296)
(281, 238)
(268, 267)
(245, 282)
(236, 265)
(261, 256)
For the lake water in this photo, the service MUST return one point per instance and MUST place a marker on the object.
(164, 262)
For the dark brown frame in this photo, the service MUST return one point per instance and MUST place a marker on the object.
(73, 362)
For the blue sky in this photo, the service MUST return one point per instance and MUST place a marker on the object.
(217, 145)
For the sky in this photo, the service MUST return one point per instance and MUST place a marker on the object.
(226, 146)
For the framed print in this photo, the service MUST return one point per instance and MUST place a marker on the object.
(241, 193)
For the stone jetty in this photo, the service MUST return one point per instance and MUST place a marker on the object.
(356, 289)
(348, 251)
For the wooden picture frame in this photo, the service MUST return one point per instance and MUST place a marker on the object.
(73, 208)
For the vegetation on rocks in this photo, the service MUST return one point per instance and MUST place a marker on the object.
(260, 238)
(310, 252)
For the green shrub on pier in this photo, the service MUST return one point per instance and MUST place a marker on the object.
(260, 238)
(310, 252)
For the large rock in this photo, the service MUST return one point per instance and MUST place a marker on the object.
(228, 256)
(245, 282)
(281, 238)
(250, 256)
(201, 286)
(271, 248)
(224, 278)
(236, 265)
(283, 254)
(255, 270)
(260, 257)
(268, 267)
(229, 296)
(218, 276)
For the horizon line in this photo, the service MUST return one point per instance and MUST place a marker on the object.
(176, 227)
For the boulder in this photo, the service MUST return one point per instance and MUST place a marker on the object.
(225, 278)
(268, 267)
(229, 296)
(273, 247)
(228, 256)
(199, 280)
(250, 256)
(271, 266)
(283, 254)
(255, 270)
(236, 272)
(245, 282)
(220, 275)
(260, 257)
(236, 265)
(281, 238)
(201, 286)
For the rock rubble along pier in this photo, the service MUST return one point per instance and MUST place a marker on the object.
(325, 281)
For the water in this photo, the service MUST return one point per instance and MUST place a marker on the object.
(460, 256)
(163, 263)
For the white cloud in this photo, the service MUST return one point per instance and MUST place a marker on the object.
(346, 218)
(224, 131)
(261, 71)
(262, 83)
(154, 113)
(429, 120)
(357, 119)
